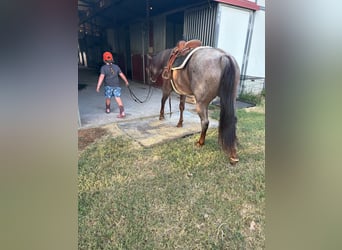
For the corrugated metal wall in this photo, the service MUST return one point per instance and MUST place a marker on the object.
(159, 36)
(199, 23)
(112, 40)
(136, 38)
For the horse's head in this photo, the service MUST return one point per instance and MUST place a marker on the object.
(156, 64)
(153, 71)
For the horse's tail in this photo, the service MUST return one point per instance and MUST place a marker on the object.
(227, 93)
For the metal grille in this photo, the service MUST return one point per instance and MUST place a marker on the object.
(199, 24)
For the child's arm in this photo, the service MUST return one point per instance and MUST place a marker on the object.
(99, 82)
(122, 75)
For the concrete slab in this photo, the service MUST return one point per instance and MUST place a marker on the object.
(151, 131)
(92, 104)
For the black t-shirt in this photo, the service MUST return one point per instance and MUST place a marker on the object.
(111, 72)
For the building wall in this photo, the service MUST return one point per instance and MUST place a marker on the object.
(112, 40)
(231, 30)
(136, 38)
(139, 49)
(199, 23)
(159, 33)
(256, 58)
(261, 3)
(241, 32)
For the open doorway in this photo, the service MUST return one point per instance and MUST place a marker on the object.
(174, 28)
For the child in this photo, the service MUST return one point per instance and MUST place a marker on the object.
(109, 74)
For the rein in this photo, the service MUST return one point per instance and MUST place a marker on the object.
(136, 99)
(170, 105)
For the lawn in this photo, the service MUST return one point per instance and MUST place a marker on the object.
(174, 195)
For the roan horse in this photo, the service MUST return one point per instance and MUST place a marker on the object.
(210, 72)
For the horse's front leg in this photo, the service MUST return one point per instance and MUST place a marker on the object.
(181, 109)
(166, 88)
(163, 100)
(202, 111)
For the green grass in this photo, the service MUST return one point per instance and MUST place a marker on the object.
(174, 195)
(255, 99)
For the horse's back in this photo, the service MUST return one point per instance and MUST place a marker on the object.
(209, 63)
(207, 60)
(205, 71)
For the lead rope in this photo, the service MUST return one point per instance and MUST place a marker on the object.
(136, 99)
(133, 96)
(170, 105)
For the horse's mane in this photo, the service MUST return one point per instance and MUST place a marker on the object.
(161, 58)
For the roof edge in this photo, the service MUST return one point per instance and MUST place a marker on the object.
(241, 3)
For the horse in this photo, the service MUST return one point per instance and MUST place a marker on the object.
(209, 72)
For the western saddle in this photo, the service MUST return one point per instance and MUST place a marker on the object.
(182, 48)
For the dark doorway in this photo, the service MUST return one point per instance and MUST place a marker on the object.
(174, 29)
(128, 61)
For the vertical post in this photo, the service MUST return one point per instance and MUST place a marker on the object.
(147, 33)
(148, 23)
(246, 52)
(79, 117)
(143, 52)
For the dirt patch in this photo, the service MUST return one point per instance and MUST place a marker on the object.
(88, 136)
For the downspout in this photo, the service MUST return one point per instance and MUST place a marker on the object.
(246, 51)
(143, 52)
(147, 37)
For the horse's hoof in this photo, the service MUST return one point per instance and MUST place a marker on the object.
(198, 144)
(161, 118)
(233, 160)
(179, 125)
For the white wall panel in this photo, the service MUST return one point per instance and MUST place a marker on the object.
(232, 30)
(261, 3)
(256, 60)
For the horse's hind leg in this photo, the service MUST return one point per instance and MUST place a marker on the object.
(233, 158)
(202, 111)
(181, 109)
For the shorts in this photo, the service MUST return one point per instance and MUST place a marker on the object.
(112, 91)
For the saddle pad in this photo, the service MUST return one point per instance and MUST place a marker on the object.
(187, 57)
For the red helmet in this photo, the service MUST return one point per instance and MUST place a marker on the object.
(107, 56)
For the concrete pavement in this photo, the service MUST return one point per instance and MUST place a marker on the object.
(142, 119)
(92, 104)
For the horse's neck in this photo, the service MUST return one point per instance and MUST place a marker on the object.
(161, 59)
(166, 56)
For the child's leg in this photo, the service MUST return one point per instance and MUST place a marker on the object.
(107, 105)
(108, 94)
(118, 101)
(120, 104)
(117, 94)
(107, 101)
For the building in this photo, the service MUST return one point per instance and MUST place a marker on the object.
(132, 29)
